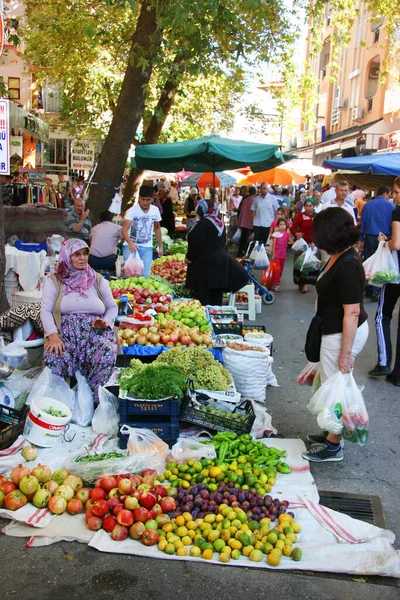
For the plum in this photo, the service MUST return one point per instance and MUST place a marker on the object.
(241, 497)
(198, 501)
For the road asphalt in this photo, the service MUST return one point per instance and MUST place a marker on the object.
(65, 571)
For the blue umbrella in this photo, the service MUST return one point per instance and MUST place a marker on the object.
(377, 164)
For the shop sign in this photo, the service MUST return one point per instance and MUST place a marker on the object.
(34, 175)
(82, 155)
(4, 137)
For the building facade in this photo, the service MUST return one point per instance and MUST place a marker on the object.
(354, 112)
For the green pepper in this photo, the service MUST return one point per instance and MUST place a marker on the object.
(284, 468)
(222, 452)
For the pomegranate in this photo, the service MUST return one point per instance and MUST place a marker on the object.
(74, 481)
(136, 530)
(94, 523)
(100, 508)
(29, 453)
(51, 486)
(42, 473)
(119, 533)
(125, 517)
(74, 506)
(29, 484)
(83, 494)
(18, 473)
(41, 498)
(15, 500)
(125, 486)
(65, 492)
(108, 483)
(7, 486)
(98, 494)
(109, 522)
(57, 505)
(2, 479)
(59, 476)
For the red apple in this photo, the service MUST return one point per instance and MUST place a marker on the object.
(88, 514)
(125, 486)
(136, 530)
(162, 519)
(117, 509)
(149, 537)
(89, 504)
(100, 508)
(136, 480)
(137, 494)
(125, 517)
(74, 506)
(108, 523)
(98, 494)
(141, 514)
(94, 523)
(131, 503)
(112, 502)
(108, 483)
(155, 511)
(119, 533)
(168, 504)
(148, 500)
(160, 490)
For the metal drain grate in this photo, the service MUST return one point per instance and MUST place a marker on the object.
(359, 506)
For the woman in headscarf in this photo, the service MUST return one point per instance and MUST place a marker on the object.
(78, 313)
(211, 270)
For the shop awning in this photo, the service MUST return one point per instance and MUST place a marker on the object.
(22, 121)
(384, 164)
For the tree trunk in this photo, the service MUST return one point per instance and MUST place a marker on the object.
(3, 298)
(153, 131)
(128, 113)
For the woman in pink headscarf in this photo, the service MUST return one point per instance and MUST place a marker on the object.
(78, 313)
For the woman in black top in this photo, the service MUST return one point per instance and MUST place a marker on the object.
(388, 297)
(168, 215)
(211, 270)
(340, 290)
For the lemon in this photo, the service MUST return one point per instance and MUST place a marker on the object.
(182, 531)
(247, 550)
(186, 540)
(273, 559)
(224, 558)
(292, 537)
(207, 554)
(188, 517)
(287, 550)
(236, 554)
(181, 552)
(209, 518)
(180, 520)
(218, 545)
(256, 556)
(296, 527)
(272, 538)
(215, 471)
(169, 549)
(195, 551)
(179, 544)
(280, 544)
(162, 545)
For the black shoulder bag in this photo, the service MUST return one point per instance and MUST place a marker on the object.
(313, 339)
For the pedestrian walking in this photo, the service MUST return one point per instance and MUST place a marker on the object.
(280, 242)
(264, 208)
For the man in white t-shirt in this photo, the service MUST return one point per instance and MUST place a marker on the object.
(342, 191)
(329, 194)
(137, 228)
(264, 208)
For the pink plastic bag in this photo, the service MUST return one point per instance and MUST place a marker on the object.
(307, 375)
(134, 265)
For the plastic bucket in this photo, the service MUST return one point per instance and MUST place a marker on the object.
(42, 429)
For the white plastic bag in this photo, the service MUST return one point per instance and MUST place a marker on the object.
(236, 236)
(310, 263)
(13, 354)
(354, 413)
(326, 403)
(116, 203)
(83, 410)
(144, 441)
(105, 418)
(49, 385)
(91, 471)
(383, 266)
(191, 448)
(300, 245)
(306, 377)
(263, 422)
(261, 260)
(134, 265)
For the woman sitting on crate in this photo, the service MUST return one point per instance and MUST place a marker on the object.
(211, 270)
(78, 313)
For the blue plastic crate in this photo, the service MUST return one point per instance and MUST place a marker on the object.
(30, 247)
(141, 408)
(166, 430)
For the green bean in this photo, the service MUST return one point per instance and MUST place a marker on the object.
(98, 457)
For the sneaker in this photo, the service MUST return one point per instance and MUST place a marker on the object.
(321, 453)
(379, 371)
(320, 438)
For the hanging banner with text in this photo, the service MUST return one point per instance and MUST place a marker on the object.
(82, 156)
(4, 137)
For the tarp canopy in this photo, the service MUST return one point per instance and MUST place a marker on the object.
(364, 181)
(202, 180)
(387, 163)
(210, 153)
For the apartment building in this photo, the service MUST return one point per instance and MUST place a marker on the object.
(38, 142)
(356, 114)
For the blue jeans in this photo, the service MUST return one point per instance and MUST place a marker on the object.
(146, 254)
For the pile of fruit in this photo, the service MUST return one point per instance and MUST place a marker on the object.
(200, 366)
(143, 290)
(188, 312)
(172, 268)
(169, 334)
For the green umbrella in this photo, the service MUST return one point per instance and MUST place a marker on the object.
(210, 153)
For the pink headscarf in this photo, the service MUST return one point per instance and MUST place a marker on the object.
(73, 280)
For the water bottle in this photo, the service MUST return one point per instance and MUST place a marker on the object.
(123, 306)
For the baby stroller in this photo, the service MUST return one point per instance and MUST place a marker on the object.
(266, 296)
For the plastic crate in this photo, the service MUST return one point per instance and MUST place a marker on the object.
(141, 408)
(166, 430)
(193, 415)
(12, 423)
(220, 328)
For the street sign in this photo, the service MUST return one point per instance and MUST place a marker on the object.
(4, 137)
(82, 155)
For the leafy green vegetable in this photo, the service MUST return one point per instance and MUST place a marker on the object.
(98, 457)
(54, 412)
(180, 291)
(153, 382)
(385, 277)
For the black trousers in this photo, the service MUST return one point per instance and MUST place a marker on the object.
(107, 263)
(390, 293)
(261, 234)
(370, 247)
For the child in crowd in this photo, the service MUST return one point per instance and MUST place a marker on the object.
(280, 214)
(280, 241)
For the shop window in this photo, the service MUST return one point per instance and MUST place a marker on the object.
(373, 77)
(14, 88)
(50, 97)
(55, 152)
